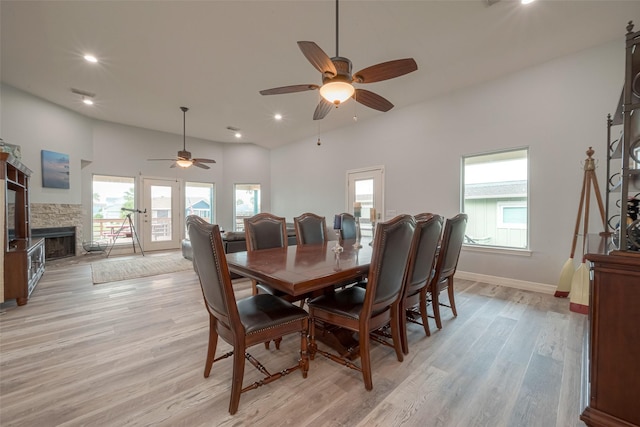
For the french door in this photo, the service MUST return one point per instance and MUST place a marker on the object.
(366, 186)
(161, 218)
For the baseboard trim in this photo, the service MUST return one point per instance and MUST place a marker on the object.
(505, 281)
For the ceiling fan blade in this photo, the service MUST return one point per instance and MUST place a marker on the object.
(173, 165)
(200, 165)
(322, 109)
(317, 57)
(385, 71)
(372, 100)
(288, 89)
(204, 160)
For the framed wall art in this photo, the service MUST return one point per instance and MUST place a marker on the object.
(55, 169)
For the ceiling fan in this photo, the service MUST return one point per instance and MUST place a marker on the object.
(337, 79)
(184, 159)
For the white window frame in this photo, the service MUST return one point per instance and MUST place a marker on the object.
(505, 153)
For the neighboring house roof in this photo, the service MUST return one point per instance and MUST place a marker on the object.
(494, 190)
(200, 204)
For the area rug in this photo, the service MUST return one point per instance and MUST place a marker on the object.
(114, 270)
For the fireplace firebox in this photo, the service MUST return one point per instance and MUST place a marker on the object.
(59, 242)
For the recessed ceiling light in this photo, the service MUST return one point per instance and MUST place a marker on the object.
(238, 135)
(278, 116)
(90, 58)
(526, 1)
(87, 101)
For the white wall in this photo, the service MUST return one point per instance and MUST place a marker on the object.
(557, 109)
(104, 148)
(35, 124)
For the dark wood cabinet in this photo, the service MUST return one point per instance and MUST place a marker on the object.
(22, 256)
(612, 371)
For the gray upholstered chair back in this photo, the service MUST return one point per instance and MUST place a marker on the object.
(310, 229)
(389, 260)
(423, 253)
(347, 226)
(452, 239)
(213, 272)
(265, 231)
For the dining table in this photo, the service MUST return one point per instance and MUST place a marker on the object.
(303, 269)
(309, 269)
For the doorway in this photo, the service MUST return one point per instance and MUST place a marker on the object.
(161, 214)
(366, 186)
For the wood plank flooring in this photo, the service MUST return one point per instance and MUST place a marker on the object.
(132, 353)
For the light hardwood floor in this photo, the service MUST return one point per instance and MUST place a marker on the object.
(133, 353)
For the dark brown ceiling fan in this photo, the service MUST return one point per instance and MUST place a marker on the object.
(337, 79)
(184, 159)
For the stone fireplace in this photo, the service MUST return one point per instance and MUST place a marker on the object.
(60, 225)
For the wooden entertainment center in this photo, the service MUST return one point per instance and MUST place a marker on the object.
(23, 257)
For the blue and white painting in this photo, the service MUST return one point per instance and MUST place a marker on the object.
(55, 169)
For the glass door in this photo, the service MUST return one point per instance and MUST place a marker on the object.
(161, 214)
(366, 191)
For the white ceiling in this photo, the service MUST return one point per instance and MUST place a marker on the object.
(214, 56)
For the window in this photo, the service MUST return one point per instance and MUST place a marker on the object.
(246, 203)
(495, 196)
(199, 200)
(113, 197)
(512, 214)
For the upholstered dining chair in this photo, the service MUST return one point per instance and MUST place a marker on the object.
(364, 310)
(347, 226)
(446, 264)
(268, 231)
(310, 229)
(265, 231)
(242, 323)
(419, 270)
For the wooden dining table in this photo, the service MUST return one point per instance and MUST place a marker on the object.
(302, 269)
(308, 269)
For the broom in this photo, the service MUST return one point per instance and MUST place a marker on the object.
(566, 275)
(579, 299)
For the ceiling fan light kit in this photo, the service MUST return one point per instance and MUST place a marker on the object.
(337, 79)
(337, 92)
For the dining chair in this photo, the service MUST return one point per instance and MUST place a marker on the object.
(347, 226)
(268, 231)
(310, 229)
(364, 310)
(242, 323)
(419, 270)
(446, 264)
(265, 231)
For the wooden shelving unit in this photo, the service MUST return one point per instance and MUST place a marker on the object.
(23, 256)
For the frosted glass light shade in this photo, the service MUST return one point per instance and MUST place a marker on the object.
(337, 92)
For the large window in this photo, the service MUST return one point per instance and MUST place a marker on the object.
(495, 196)
(199, 200)
(113, 198)
(246, 203)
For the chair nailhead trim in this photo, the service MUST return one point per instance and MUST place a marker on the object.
(274, 327)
